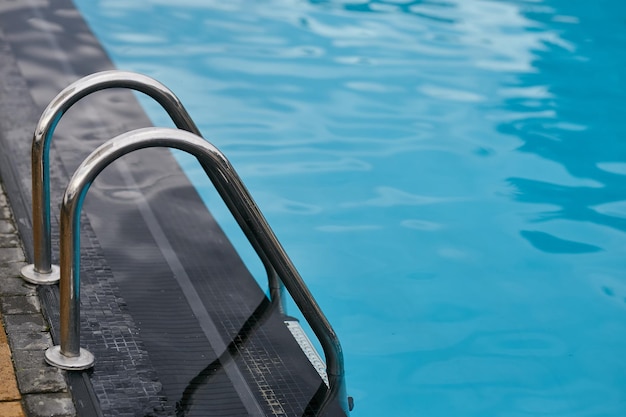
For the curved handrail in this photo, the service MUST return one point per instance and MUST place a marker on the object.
(42, 271)
(69, 355)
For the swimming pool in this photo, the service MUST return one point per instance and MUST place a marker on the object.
(447, 176)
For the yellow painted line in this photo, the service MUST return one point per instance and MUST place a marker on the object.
(10, 398)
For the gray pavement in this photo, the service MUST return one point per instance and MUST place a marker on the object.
(42, 388)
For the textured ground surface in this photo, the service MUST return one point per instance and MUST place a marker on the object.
(28, 386)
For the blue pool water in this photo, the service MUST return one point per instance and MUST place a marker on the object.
(448, 176)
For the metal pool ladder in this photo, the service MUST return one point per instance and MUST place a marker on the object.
(280, 270)
(42, 271)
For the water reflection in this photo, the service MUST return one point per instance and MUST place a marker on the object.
(463, 151)
(552, 244)
(581, 137)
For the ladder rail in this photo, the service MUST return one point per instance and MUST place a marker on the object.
(69, 354)
(42, 271)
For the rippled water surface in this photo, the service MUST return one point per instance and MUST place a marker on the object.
(448, 176)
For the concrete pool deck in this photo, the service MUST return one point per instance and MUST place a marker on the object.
(28, 386)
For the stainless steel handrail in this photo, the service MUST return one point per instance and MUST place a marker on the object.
(42, 271)
(69, 354)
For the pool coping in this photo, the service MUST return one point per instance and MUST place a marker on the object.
(29, 387)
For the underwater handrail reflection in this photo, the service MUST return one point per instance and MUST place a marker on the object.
(69, 354)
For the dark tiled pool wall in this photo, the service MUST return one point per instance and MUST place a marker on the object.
(124, 380)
